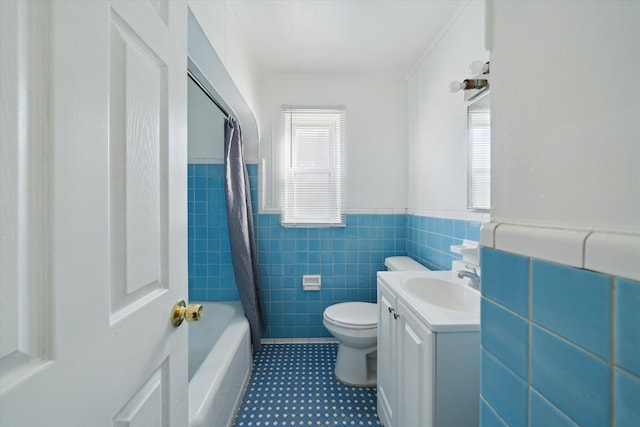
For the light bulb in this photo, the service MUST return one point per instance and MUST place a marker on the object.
(455, 86)
(478, 67)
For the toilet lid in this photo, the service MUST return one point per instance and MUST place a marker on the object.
(359, 314)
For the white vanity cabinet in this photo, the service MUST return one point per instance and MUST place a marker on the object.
(425, 379)
(387, 342)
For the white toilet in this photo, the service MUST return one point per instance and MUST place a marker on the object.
(355, 326)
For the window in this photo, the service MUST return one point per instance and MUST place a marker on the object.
(479, 134)
(312, 140)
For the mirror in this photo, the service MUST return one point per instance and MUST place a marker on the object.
(479, 149)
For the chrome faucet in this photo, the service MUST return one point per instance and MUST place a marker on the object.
(474, 279)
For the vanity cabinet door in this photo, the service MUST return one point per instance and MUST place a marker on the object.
(415, 359)
(387, 364)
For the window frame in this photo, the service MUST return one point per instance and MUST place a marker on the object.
(301, 184)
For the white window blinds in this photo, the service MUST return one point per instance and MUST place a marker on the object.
(312, 140)
(479, 127)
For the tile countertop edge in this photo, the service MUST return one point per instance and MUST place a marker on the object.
(610, 253)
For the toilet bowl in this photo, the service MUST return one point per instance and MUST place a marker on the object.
(355, 326)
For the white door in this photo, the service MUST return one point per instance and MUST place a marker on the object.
(92, 213)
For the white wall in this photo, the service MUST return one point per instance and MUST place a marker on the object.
(376, 126)
(205, 128)
(566, 144)
(218, 24)
(437, 153)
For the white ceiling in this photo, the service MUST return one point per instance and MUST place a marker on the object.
(382, 37)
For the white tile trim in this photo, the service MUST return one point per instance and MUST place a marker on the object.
(367, 211)
(270, 211)
(614, 254)
(375, 211)
(609, 253)
(462, 215)
(561, 246)
(487, 234)
(381, 211)
(206, 160)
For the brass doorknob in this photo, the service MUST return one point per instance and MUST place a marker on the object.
(182, 311)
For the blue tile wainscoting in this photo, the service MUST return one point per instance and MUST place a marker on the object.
(429, 239)
(346, 257)
(560, 345)
(211, 276)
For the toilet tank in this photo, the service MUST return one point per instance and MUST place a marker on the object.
(403, 263)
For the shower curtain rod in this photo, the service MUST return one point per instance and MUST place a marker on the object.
(206, 92)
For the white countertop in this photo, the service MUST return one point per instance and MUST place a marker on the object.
(436, 318)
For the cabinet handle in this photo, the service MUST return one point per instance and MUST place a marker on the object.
(395, 315)
(391, 310)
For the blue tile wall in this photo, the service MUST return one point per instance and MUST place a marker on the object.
(429, 239)
(628, 325)
(627, 403)
(577, 320)
(574, 303)
(505, 279)
(489, 417)
(505, 335)
(346, 257)
(503, 390)
(211, 275)
(577, 382)
(543, 413)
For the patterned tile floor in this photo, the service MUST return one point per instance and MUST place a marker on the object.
(294, 385)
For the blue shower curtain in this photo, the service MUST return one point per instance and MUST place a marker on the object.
(241, 235)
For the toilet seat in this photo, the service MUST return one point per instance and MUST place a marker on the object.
(353, 315)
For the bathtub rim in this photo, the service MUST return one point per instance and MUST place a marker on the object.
(236, 335)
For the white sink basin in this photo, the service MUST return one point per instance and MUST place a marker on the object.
(441, 300)
(443, 293)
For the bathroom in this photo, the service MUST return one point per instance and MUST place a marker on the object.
(565, 208)
(550, 164)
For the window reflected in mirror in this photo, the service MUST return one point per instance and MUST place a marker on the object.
(479, 145)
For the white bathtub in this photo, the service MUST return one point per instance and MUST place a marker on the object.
(220, 363)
